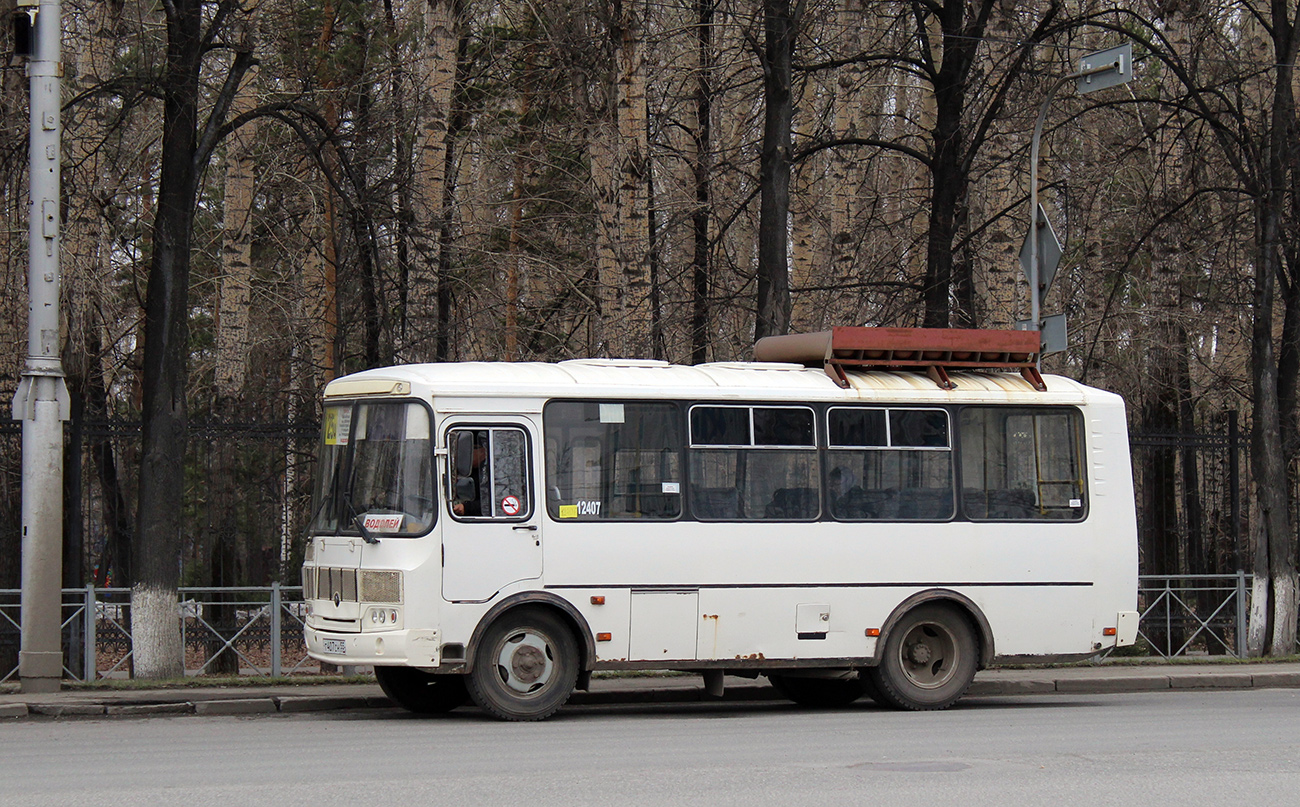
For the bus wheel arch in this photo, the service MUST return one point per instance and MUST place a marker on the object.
(527, 655)
(525, 666)
(545, 600)
(953, 599)
(928, 657)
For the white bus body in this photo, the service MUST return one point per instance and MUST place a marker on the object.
(698, 548)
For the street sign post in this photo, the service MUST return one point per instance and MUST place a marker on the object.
(1105, 68)
(1099, 70)
(1049, 254)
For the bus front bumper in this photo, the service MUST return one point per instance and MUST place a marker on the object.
(416, 648)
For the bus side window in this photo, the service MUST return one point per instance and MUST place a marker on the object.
(612, 460)
(889, 464)
(754, 463)
(489, 478)
(1022, 464)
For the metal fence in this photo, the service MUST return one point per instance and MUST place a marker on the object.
(256, 631)
(1201, 614)
(1188, 491)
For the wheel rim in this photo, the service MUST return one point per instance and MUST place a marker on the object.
(525, 661)
(928, 655)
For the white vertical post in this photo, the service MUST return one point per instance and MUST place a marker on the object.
(90, 668)
(41, 402)
(275, 630)
(1241, 609)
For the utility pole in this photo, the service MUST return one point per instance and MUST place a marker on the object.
(41, 402)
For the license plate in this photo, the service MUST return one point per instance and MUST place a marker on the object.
(337, 647)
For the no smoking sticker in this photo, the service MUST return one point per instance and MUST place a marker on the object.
(510, 506)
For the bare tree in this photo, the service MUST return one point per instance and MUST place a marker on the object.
(781, 20)
(186, 149)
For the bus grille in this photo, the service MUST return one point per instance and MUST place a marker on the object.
(334, 583)
(383, 587)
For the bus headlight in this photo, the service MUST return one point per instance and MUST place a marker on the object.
(383, 617)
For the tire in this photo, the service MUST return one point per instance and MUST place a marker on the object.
(869, 687)
(929, 661)
(818, 693)
(421, 692)
(525, 667)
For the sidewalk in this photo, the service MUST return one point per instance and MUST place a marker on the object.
(308, 697)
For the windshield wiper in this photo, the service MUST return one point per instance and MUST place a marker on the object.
(356, 521)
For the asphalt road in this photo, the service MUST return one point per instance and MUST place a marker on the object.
(1143, 748)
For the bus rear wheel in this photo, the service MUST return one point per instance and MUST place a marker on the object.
(929, 660)
(525, 667)
(819, 693)
(421, 692)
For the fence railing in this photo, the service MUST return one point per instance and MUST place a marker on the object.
(255, 630)
(258, 630)
(1198, 613)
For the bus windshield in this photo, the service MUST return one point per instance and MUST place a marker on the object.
(376, 470)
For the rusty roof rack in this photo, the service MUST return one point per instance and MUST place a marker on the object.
(935, 350)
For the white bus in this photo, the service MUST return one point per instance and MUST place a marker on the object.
(499, 531)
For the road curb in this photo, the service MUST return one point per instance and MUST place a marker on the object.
(1232, 680)
(312, 703)
(632, 691)
(236, 706)
(13, 710)
(1127, 683)
(1031, 686)
(148, 709)
(67, 709)
(1275, 679)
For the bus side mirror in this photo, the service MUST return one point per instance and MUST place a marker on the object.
(466, 490)
(463, 451)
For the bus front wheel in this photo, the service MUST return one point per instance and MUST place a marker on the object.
(421, 692)
(929, 660)
(525, 667)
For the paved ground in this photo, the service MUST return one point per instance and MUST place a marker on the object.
(308, 697)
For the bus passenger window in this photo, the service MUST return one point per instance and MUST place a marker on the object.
(889, 464)
(1022, 464)
(754, 463)
(613, 460)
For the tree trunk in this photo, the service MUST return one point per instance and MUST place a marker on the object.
(236, 251)
(781, 26)
(320, 270)
(1268, 460)
(618, 149)
(948, 169)
(155, 629)
(436, 70)
(701, 267)
(632, 170)
(155, 626)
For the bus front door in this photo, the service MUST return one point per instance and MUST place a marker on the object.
(491, 534)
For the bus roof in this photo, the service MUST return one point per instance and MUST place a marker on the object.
(641, 378)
